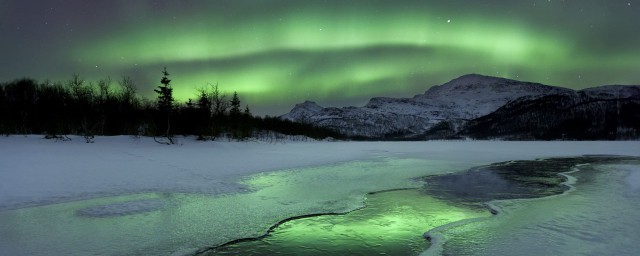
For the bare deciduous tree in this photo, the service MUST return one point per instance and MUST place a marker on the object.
(218, 100)
(127, 90)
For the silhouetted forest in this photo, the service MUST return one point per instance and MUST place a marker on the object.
(107, 107)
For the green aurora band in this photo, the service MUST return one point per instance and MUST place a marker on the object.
(322, 55)
(278, 53)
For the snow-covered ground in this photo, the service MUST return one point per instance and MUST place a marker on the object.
(122, 195)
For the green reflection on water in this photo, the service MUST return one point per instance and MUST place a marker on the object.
(392, 223)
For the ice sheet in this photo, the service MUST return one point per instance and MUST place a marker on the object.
(599, 217)
(177, 223)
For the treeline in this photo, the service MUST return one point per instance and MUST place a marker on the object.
(106, 107)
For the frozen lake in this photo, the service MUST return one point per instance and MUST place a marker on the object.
(124, 196)
(591, 214)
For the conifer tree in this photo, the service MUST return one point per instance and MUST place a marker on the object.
(247, 124)
(204, 115)
(247, 112)
(165, 101)
(235, 106)
(234, 116)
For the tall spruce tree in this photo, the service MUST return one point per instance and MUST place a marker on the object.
(204, 107)
(235, 116)
(247, 111)
(235, 112)
(165, 102)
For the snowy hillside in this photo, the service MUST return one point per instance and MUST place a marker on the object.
(473, 96)
(461, 99)
(445, 111)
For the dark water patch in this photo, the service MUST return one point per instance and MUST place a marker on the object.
(509, 180)
(595, 218)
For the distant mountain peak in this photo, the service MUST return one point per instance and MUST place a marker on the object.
(480, 94)
(456, 102)
(309, 103)
(471, 82)
(475, 79)
(303, 110)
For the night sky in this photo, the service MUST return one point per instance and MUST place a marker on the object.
(278, 53)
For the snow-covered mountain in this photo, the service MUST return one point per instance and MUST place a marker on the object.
(462, 99)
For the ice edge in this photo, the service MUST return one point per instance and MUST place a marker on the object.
(436, 235)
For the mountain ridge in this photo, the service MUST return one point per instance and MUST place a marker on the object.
(456, 103)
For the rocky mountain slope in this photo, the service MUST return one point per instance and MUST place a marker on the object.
(607, 112)
(453, 109)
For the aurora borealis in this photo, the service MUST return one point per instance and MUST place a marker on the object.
(278, 53)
